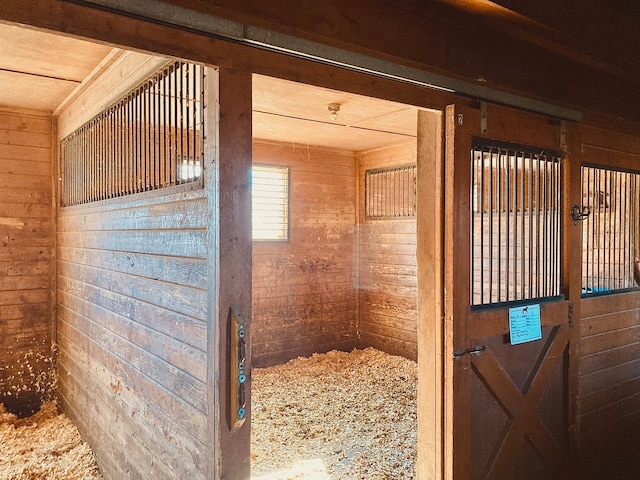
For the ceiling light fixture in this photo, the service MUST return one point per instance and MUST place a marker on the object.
(334, 108)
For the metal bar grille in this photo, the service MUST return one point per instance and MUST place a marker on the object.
(610, 232)
(390, 192)
(515, 223)
(152, 138)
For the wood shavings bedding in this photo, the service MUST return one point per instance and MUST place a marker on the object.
(335, 416)
(45, 446)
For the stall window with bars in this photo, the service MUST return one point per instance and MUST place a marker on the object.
(152, 138)
(610, 232)
(515, 223)
(390, 192)
(270, 202)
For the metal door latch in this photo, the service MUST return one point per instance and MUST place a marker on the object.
(477, 350)
(237, 368)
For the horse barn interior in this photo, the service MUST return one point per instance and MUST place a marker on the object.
(193, 193)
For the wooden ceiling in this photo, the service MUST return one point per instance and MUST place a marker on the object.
(40, 71)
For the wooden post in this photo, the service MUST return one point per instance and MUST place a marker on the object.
(430, 248)
(228, 160)
(572, 271)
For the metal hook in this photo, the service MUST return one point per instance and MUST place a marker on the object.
(579, 213)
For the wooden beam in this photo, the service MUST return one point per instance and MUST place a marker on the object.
(430, 260)
(228, 167)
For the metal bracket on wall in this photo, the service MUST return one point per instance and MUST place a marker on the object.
(483, 118)
(570, 314)
(237, 368)
(477, 350)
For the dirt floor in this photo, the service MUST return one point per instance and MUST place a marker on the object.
(45, 446)
(335, 416)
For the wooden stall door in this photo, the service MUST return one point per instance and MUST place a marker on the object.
(507, 406)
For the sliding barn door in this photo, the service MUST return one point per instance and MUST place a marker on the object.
(509, 324)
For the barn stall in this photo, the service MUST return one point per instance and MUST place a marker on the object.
(308, 288)
(601, 400)
(337, 273)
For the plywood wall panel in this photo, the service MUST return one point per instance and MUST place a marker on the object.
(26, 242)
(304, 296)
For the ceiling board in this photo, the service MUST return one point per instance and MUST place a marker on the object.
(323, 134)
(298, 113)
(38, 70)
(46, 54)
(21, 90)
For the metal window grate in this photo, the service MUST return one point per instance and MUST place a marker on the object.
(515, 223)
(390, 192)
(152, 138)
(610, 232)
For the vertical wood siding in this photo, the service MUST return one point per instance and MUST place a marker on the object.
(26, 368)
(304, 296)
(132, 333)
(387, 268)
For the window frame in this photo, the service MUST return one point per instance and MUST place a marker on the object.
(587, 290)
(285, 219)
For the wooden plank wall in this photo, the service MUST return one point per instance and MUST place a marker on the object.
(387, 267)
(26, 246)
(609, 367)
(304, 295)
(132, 301)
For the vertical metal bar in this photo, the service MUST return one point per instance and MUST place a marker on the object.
(584, 176)
(175, 129)
(482, 229)
(92, 159)
(131, 171)
(187, 109)
(624, 234)
(137, 142)
(194, 116)
(202, 126)
(500, 210)
(152, 135)
(540, 219)
(472, 214)
(148, 134)
(491, 207)
(610, 216)
(100, 170)
(122, 149)
(163, 149)
(523, 259)
(509, 171)
(181, 130)
(599, 238)
(530, 226)
(616, 230)
(555, 204)
(156, 133)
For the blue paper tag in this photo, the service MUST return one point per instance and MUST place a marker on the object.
(524, 324)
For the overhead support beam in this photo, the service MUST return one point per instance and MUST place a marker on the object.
(174, 15)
